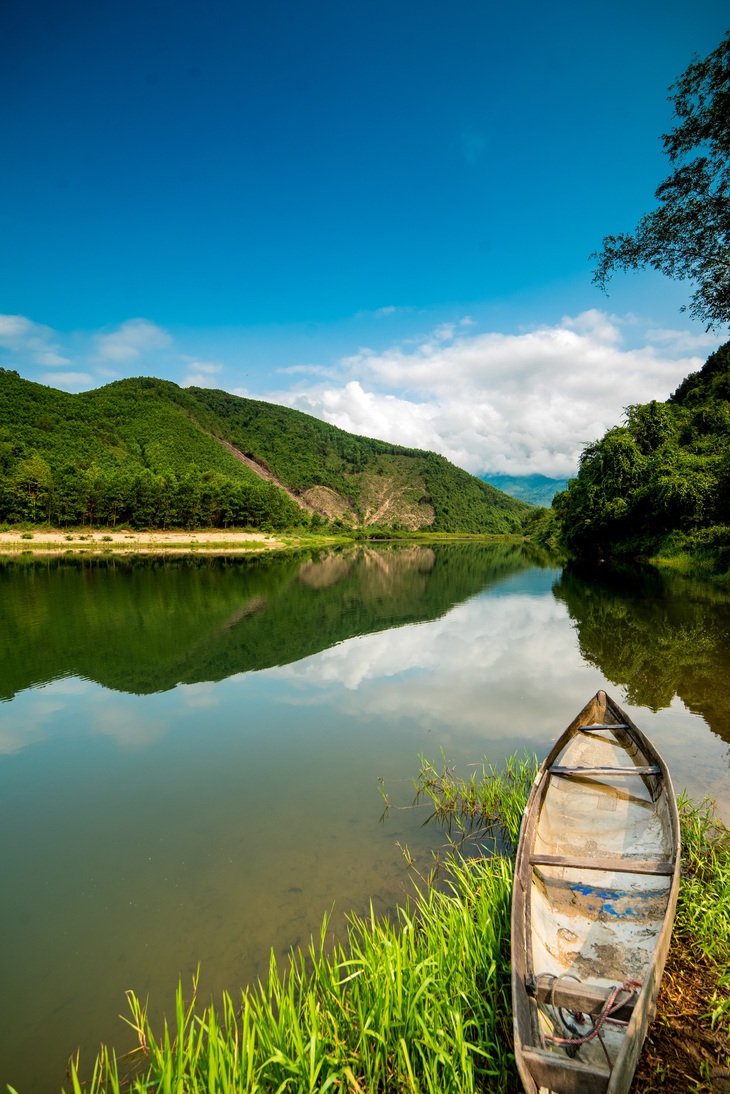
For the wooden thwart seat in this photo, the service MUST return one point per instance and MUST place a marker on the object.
(616, 725)
(558, 769)
(586, 998)
(663, 867)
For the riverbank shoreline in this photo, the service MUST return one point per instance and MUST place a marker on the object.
(212, 541)
(45, 541)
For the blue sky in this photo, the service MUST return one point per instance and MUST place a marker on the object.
(379, 213)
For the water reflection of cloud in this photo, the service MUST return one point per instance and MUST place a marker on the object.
(129, 728)
(493, 675)
(34, 719)
(486, 636)
(16, 734)
(458, 677)
(198, 696)
(69, 685)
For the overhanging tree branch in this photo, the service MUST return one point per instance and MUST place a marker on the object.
(688, 236)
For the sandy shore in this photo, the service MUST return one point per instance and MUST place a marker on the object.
(57, 542)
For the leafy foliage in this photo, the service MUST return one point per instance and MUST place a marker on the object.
(665, 472)
(688, 236)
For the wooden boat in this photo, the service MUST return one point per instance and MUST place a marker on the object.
(593, 903)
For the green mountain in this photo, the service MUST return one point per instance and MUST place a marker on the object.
(147, 453)
(660, 484)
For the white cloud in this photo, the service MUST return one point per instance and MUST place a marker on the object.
(133, 338)
(491, 402)
(30, 341)
(383, 313)
(513, 403)
(683, 341)
(73, 381)
(200, 373)
(128, 725)
(478, 650)
(12, 327)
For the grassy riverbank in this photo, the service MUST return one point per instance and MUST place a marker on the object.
(423, 1004)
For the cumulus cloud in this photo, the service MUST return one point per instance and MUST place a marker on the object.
(133, 338)
(499, 403)
(515, 403)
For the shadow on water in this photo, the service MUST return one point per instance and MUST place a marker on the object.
(656, 635)
(143, 626)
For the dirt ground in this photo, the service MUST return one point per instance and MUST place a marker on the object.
(682, 1052)
(57, 542)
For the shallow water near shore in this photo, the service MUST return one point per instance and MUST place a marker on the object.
(190, 749)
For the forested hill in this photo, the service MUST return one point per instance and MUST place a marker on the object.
(661, 482)
(148, 453)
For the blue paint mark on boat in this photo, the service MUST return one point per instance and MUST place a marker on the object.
(609, 898)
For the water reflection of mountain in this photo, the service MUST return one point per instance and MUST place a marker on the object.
(145, 625)
(656, 635)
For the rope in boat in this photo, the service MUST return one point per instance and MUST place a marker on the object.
(612, 1004)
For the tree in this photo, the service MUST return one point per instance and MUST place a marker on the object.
(688, 236)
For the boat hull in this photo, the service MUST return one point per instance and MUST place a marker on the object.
(594, 895)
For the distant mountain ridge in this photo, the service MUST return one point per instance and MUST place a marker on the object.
(148, 453)
(534, 489)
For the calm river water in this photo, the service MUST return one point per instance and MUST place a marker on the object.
(190, 750)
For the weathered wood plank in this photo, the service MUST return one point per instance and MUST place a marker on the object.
(662, 867)
(616, 725)
(558, 769)
(583, 997)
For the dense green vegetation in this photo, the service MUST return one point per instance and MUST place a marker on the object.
(660, 483)
(147, 453)
(304, 452)
(421, 1005)
(128, 453)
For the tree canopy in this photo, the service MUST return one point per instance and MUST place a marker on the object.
(662, 477)
(688, 236)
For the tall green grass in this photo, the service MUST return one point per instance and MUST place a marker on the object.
(417, 1005)
(420, 1005)
(702, 924)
